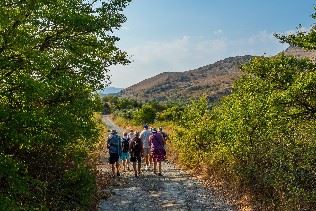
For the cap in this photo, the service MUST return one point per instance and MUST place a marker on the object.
(146, 126)
(154, 130)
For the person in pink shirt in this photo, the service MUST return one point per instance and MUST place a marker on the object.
(157, 150)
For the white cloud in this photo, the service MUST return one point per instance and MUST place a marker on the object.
(188, 53)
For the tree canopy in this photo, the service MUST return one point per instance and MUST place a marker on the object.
(54, 54)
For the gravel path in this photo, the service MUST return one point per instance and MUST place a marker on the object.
(175, 190)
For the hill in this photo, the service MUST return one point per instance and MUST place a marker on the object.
(214, 80)
(301, 53)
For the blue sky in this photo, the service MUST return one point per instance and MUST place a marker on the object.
(179, 35)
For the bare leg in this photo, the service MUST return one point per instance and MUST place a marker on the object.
(159, 166)
(124, 165)
(134, 167)
(128, 163)
(113, 169)
(139, 167)
(155, 166)
(147, 159)
(150, 160)
(118, 168)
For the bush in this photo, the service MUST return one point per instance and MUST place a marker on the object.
(263, 134)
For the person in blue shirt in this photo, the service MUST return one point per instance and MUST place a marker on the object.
(115, 148)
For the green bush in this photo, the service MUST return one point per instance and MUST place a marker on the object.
(262, 136)
(146, 114)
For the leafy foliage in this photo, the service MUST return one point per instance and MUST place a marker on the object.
(262, 136)
(53, 56)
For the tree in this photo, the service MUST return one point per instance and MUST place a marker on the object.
(146, 114)
(53, 56)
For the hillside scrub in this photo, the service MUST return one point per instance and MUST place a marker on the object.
(263, 136)
(53, 56)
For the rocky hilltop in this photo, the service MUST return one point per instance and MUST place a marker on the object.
(301, 53)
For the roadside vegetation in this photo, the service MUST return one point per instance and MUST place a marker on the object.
(260, 139)
(53, 56)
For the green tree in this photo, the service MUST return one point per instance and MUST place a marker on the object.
(53, 56)
(146, 114)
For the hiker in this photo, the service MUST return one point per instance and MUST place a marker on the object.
(144, 136)
(131, 134)
(164, 134)
(125, 154)
(165, 137)
(157, 150)
(136, 151)
(114, 146)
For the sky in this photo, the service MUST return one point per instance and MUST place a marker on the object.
(180, 35)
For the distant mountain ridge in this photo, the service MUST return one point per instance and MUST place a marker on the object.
(110, 90)
(213, 80)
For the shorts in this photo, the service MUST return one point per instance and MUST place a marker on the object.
(146, 151)
(136, 158)
(158, 154)
(114, 157)
(124, 156)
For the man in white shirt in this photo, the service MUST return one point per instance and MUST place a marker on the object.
(144, 136)
(131, 134)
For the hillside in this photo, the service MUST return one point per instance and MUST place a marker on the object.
(213, 80)
(301, 53)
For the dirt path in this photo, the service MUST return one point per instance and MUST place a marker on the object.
(175, 190)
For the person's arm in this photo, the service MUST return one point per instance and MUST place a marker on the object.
(119, 145)
(130, 147)
(142, 148)
(165, 136)
(108, 142)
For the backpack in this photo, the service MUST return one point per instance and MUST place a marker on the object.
(136, 147)
(114, 144)
(125, 145)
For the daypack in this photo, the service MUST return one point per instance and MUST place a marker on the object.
(136, 147)
(114, 144)
(125, 144)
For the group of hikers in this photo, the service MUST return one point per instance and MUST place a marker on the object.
(132, 147)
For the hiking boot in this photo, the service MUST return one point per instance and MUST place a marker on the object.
(159, 174)
(118, 174)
